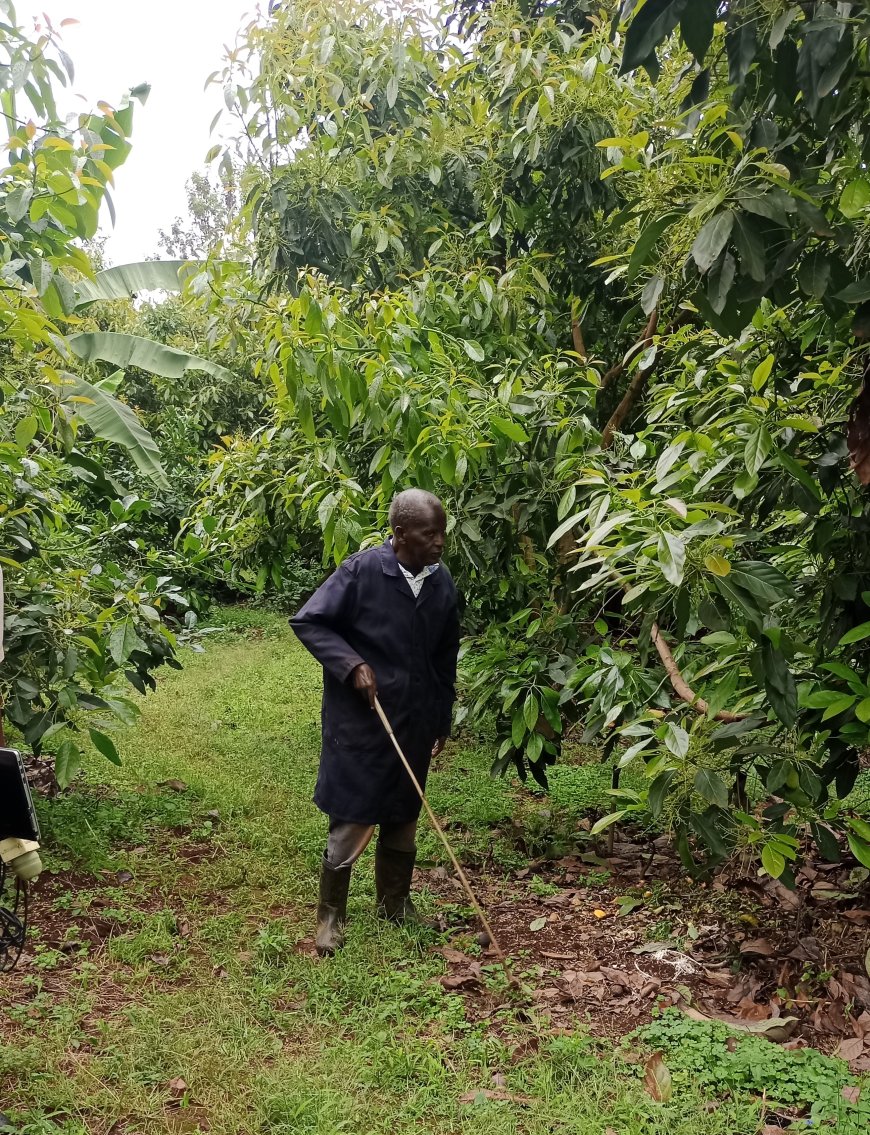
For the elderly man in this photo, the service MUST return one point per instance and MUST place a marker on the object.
(384, 625)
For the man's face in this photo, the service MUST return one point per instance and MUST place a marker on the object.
(421, 541)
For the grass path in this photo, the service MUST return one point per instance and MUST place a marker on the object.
(180, 1000)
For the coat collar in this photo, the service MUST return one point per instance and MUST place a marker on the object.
(390, 566)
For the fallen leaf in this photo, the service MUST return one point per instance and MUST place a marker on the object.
(851, 1048)
(494, 1094)
(184, 928)
(455, 956)
(716, 977)
(774, 1029)
(175, 785)
(124, 876)
(159, 959)
(177, 1086)
(558, 957)
(759, 947)
(657, 1078)
(851, 1093)
(748, 1009)
(538, 924)
(458, 980)
(600, 913)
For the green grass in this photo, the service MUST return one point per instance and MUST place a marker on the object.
(199, 1012)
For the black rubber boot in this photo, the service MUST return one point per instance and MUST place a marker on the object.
(331, 909)
(393, 873)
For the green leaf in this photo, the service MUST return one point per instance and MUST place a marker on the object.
(41, 273)
(606, 822)
(650, 26)
(860, 827)
(838, 706)
(855, 198)
(531, 711)
(772, 862)
(658, 791)
(125, 280)
(474, 350)
(123, 641)
(18, 202)
(779, 685)
(719, 281)
(750, 246)
(860, 849)
(518, 728)
(712, 239)
(762, 373)
(25, 431)
(762, 580)
(862, 710)
(745, 484)
(696, 27)
(758, 446)
(856, 634)
(676, 740)
(858, 292)
(712, 787)
(132, 350)
(67, 762)
(671, 557)
(797, 471)
(651, 293)
(116, 422)
(646, 242)
(105, 745)
(509, 429)
(741, 46)
(814, 276)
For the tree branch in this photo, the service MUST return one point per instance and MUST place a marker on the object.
(635, 389)
(681, 686)
(644, 341)
(577, 339)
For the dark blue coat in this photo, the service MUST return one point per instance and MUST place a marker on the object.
(366, 612)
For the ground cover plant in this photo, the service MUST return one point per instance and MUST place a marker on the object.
(171, 983)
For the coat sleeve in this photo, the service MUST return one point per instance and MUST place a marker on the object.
(318, 624)
(444, 662)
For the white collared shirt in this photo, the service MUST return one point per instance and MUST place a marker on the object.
(415, 582)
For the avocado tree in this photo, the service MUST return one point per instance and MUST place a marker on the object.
(602, 286)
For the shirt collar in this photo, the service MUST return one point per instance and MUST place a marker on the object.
(428, 570)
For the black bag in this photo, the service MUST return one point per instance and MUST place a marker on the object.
(17, 814)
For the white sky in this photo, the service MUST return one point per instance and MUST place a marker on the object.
(174, 45)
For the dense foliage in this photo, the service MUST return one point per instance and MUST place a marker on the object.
(598, 276)
(91, 602)
(614, 316)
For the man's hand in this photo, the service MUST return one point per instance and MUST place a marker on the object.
(364, 680)
(438, 747)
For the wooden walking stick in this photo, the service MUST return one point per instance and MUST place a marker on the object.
(463, 878)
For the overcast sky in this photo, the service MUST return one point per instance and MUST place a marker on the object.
(174, 45)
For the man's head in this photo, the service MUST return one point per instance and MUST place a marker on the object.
(419, 527)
